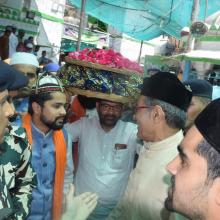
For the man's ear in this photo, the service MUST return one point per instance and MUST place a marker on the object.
(158, 113)
(36, 108)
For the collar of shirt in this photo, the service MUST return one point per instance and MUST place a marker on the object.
(164, 144)
(39, 133)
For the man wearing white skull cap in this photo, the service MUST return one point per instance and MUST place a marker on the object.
(26, 63)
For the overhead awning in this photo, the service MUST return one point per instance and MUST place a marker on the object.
(147, 19)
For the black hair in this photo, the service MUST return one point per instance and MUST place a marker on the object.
(40, 98)
(87, 102)
(212, 157)
(174, 116)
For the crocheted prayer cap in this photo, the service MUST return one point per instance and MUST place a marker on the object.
(47, 82)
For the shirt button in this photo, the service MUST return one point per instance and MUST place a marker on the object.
(44, 164)
(44, 146)
(103, 157)
(44, 181)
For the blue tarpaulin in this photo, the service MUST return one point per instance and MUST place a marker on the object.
(147, 19)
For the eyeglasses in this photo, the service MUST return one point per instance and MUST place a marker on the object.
(107, 107)
(136, 108)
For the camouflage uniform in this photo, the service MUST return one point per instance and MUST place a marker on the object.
(5, 200)
(15, 160)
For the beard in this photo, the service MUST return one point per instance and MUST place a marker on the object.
(53, 125)
(187, 208)
(108, 120)
(169, 200)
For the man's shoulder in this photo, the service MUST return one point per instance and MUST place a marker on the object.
(128, 125)
(14, 147)
(5, 198)
(87, 120)
(18, 132)
(16, 139)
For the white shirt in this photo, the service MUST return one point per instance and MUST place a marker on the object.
(13, 43)
(148, 183)
(216, 92)
(102, 168)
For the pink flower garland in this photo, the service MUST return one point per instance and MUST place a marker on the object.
(106, 57)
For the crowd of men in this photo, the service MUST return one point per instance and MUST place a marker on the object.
(175, 133)
(13, 40)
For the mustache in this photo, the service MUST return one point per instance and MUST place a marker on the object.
(109, 116)
(60, 117)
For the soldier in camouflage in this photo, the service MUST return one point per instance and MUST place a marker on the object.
(17, 178)
(5, 201)
(15, 158)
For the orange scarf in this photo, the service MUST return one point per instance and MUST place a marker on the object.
(77, 109)
(60, 149)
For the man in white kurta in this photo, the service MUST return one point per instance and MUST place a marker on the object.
(160, 115)
(107, 147)
(13, 42)
(149, 181)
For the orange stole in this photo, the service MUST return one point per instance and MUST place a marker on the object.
(77, 109)
(60, 154)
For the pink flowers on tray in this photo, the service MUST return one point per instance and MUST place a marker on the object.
(109, 58)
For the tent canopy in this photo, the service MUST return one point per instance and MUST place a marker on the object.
(147, 19)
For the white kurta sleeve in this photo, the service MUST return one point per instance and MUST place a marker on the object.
(68, 176)
(74, 129)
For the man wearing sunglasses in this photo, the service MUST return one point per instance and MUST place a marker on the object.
(160, 115)
(107, 146)
(27, 64)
